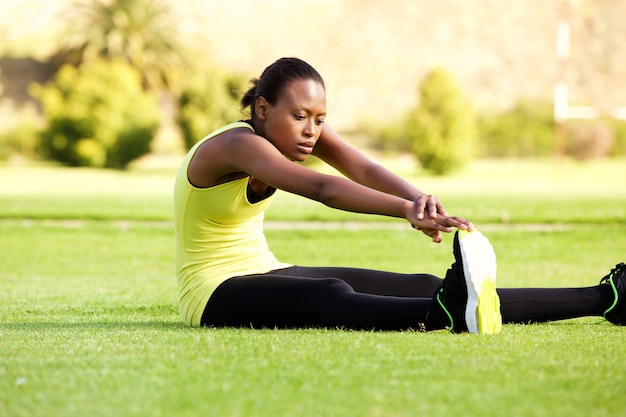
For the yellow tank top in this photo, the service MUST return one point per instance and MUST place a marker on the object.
(219, 235)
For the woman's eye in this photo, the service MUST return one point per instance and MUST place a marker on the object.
(319, 121)
(299, 117)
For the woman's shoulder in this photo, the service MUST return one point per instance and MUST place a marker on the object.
(227, 135)
(240, 127)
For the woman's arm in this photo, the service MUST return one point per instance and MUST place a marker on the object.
(356, 166)
(254, 155)
(353, 164)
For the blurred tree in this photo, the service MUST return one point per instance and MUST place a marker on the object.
(144, 33)
(208, 100)
(97, 115)
(443, 126)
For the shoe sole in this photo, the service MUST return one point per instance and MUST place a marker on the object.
(482, 312)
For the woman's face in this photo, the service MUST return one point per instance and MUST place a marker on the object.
(294, 123)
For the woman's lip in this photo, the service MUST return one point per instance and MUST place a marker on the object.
(305, 148)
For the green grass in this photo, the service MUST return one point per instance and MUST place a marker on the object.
(499, 191)
(89, 323)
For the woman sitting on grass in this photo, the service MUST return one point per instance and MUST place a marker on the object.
(228, 276)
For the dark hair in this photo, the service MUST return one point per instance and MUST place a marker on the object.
(275, 78)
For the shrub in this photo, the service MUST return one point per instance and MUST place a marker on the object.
(22, 139)
(98, 115)
(443, 126)
(208, 101)
(390, 137)
(619, 143)
(525, 130)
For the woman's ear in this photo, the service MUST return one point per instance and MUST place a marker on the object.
(260, 107)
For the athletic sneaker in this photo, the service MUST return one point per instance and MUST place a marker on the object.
(616, 279)
(468, 294)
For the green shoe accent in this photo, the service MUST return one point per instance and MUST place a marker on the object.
(488, 316)
(616, 279)
(615, 295)
(445, 310)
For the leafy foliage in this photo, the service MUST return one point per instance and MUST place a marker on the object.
(98, 115)
(525, 130)
(443, 127)
(208, 101)
(143, 33)
(619, 146)
(22, 140)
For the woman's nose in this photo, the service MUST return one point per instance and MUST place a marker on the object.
(309, 128)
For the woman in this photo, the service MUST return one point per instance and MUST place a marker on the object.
(228, 276)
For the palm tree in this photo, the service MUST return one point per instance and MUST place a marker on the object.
(142, 32)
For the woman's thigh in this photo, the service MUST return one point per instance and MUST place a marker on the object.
(284, 301)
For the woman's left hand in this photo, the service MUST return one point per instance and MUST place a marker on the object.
(432, 218)
(433, 227)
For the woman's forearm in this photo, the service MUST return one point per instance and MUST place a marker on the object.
(380, 178)
(347, 195)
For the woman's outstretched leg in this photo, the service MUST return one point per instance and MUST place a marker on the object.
(535, 305)
(518, 305)
(532, 305)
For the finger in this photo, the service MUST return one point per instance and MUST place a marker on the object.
(465, 224)
(436, 237)
(436, 227)
(442, 211)
(420, 204)
(455, 222)
(433, 205)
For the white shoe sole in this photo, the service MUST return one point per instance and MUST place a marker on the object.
(482, 312)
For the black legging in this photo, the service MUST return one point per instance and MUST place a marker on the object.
(355, 298)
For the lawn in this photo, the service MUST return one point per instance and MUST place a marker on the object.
(89, 323)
